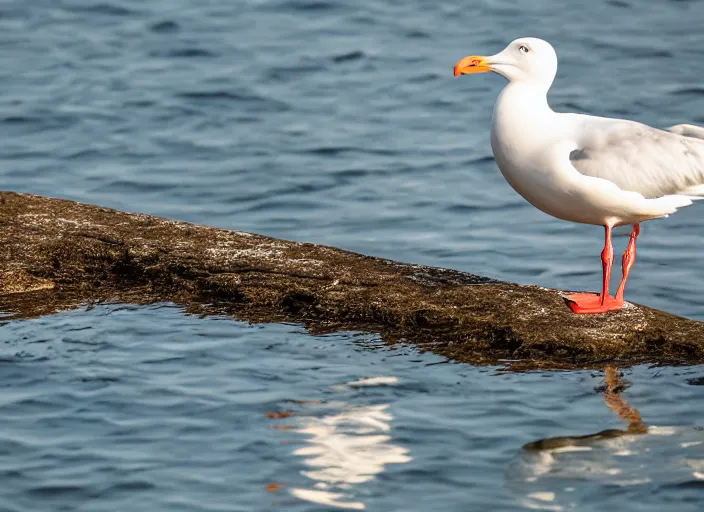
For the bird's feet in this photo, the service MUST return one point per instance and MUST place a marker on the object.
(591, 303)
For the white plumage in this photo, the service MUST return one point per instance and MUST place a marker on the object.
(580, 168)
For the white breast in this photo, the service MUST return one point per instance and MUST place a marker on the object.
(527, 141)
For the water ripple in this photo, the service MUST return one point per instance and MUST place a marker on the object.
(336, 122)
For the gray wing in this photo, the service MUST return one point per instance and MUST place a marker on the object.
(639, 158)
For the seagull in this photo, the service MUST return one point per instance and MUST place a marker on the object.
(592, 170)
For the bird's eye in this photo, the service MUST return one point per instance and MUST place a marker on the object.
(523, 49)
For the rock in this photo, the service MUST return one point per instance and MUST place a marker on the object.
(57, 254)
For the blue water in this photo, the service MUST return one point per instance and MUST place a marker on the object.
(337, 122)
(134, 408)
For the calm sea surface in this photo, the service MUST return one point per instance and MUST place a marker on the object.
(336, 122)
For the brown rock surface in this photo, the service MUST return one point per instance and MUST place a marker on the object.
(57, 254)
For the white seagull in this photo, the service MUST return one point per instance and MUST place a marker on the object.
(593, 170)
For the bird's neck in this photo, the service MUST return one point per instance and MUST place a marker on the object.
(521, 107)
(520, 115)
(524, 100)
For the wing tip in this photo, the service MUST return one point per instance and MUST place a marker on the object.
(687, 130)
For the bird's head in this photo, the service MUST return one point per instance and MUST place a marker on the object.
(524, 60)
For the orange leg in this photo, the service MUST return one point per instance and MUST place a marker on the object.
(586, 303)
(629, 258)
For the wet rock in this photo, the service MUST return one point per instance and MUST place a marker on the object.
(57, 254)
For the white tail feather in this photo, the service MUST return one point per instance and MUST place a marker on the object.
(674, 202)
(666, 205)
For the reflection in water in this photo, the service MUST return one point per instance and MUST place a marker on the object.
(346, 447)
(567, 467)
(614, 401)
(612, 397)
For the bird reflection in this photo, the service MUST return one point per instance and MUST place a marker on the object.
(560, 473)
(541, 468)
(614, 401)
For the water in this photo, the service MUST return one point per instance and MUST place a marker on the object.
(129, 408)
(336, 122)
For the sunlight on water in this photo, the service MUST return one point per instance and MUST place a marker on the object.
(346, 447)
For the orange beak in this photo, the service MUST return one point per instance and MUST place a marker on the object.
(472, 64)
